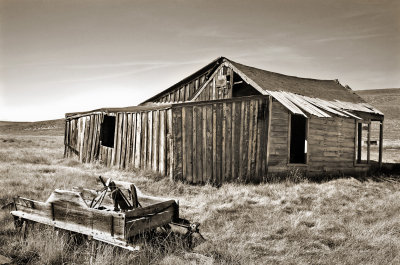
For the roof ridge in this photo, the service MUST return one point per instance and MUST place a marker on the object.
(276, 73)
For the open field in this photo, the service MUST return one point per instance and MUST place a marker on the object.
(342, 221)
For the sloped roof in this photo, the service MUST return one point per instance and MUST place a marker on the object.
(298, 94)
(323, 89)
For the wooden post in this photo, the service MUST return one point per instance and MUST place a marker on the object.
(380, 143)
(65, 138)
(368, 142)
(359, 142)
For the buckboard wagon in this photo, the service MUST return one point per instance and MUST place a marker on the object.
(118, 214)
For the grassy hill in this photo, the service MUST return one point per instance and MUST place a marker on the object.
(386, 100)
(49, 127)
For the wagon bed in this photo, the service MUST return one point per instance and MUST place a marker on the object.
(71, 210)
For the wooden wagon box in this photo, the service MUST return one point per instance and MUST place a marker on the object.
(70, 210)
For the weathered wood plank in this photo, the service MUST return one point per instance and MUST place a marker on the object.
(228, 142)
(138, 139)
(123, 140)
(162, 146)
(189, 143)
(214, 141)
(194, 144)
(144, 136)
(179, 157)
(90, 139)
(245, 143)
(117, 143)
(250, 139)
(126, 163)
(149, 139)
(199, 145)
(156, 130)
(184, 149)
(133, 140)
(219, 114)
(223, 141)
(204, 145)
(170, 144)
(260, 118)
(241, 140)
(254, 141)
(209, 143)
(85, 135)
(141, 225)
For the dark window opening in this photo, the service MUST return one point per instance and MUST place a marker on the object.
(298, 139)
(107, 131)
(241, 89)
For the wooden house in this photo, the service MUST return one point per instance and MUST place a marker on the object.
(231, 122)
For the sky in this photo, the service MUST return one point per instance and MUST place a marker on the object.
(59, 56)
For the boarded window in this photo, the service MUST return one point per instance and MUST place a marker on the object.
(108, 131)
(298, 139)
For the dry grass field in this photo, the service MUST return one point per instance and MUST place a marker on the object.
(341, 221)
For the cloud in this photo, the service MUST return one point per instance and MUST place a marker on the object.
(144, 67)
(352, 37)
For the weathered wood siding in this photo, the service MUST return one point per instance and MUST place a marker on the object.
(212, 141)
(331, 144)
(142, 140)
(218, 87)
(184, 92)
(82, 137)
(278, 140)
(220, 141)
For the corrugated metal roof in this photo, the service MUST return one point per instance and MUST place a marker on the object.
(323, 89)
(298, 104)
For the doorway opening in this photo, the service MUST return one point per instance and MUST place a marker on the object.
(298, 139)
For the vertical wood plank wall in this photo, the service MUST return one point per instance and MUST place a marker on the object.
(220, 141)
(211, 141)
(82, 137)
(142, 140)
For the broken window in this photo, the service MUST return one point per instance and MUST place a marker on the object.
(107, 131)
(241, 89)
(298, 139)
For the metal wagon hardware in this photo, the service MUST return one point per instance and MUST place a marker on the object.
(117, 214)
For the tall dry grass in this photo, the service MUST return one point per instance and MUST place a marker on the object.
(343, 221)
